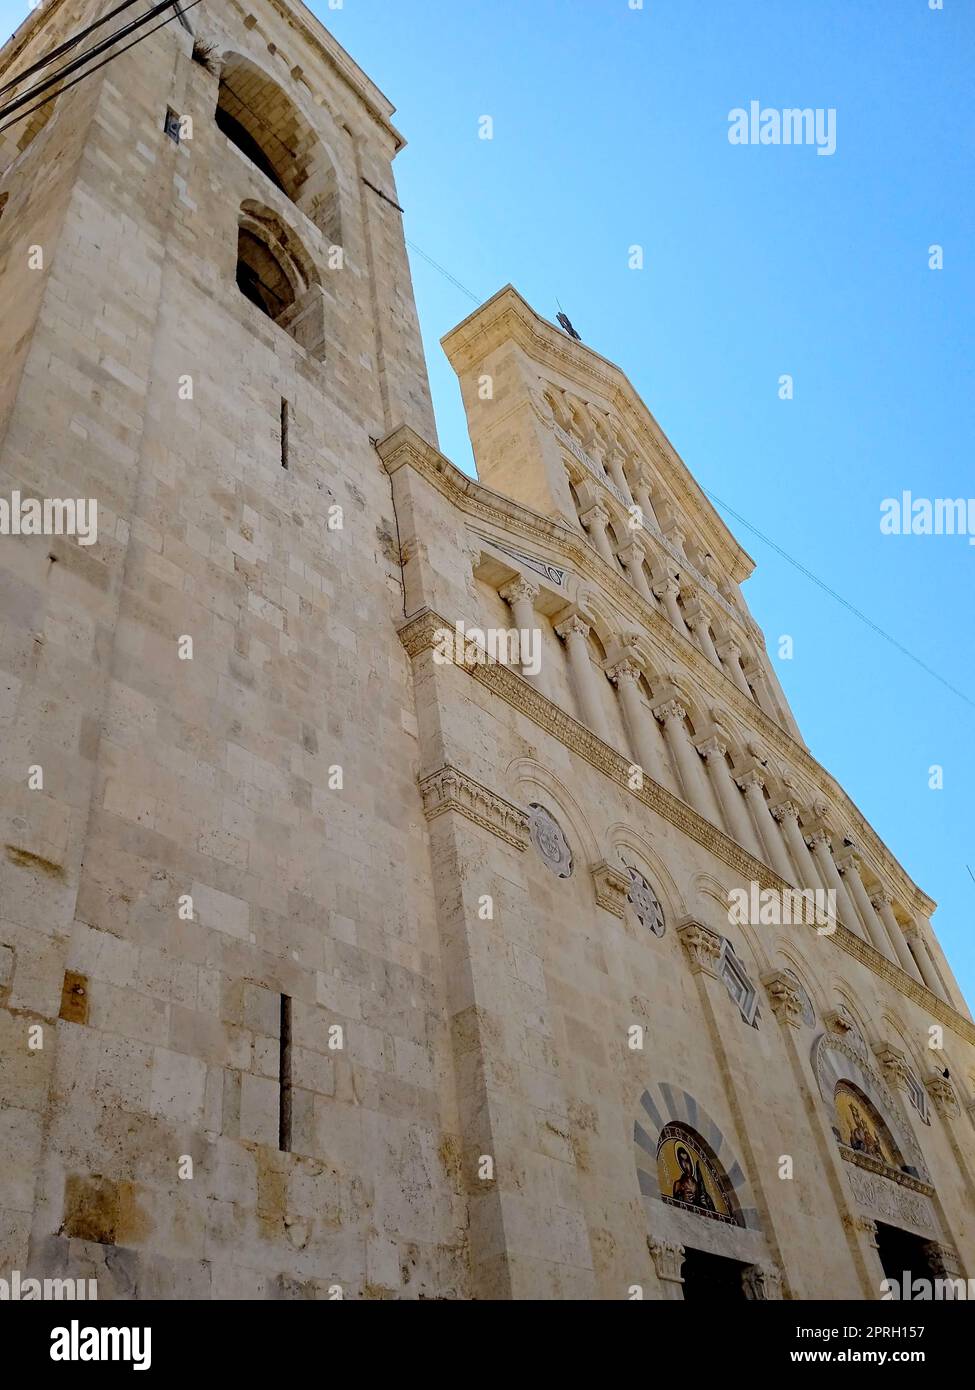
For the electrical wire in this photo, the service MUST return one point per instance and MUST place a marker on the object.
(83, 58)
(178, 13)
(65, 47)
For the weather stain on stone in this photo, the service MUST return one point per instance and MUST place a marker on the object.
(103, 1211)
(74, 998)
(26, 860)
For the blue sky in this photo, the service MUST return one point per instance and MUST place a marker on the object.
(611, 129)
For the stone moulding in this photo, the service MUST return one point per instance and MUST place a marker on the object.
(611, 887)
(404, 448)
(449, 789)
(418, 634)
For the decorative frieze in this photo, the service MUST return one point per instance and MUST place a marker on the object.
(449, 789)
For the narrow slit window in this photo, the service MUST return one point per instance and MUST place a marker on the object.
(285, 421)
(284, 1102)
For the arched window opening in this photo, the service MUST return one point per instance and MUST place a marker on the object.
(261, 278)
(261, 120)
(275, 273)
(245, 142)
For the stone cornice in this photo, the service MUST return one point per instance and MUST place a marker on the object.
(404, 448)
(507, 316)
(418, 634)
(449, 789)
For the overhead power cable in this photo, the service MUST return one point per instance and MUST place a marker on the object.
(82, 58)
(177, 14)
(65, 47)
(857, 613)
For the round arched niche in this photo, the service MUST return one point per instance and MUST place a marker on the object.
(842, 1072)
(669, 1118)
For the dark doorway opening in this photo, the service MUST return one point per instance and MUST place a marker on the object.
(903, 1253)
(712, 1278)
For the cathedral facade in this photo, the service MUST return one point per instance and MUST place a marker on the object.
(410, 886)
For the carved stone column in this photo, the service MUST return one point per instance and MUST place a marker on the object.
(699, 622)
(666, 590)
(574, 633)
(614, 465)
(729, 798)
(849, 867)
(641, 494)
(882, 903)
(668, 1259)
(520, 595)
(752, 785)
(632, 558)
(730, 654)
(819, 843)
(595, 520)
(787, 815)
(671, 715)
(915, 939)
(625, 675)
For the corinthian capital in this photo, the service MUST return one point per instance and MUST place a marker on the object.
(670, 709)
(786, 810)
(880, 898)
(712, 749)
(751, 778)
(623, 671)
(573, 627)
(519, 588)
(818, 838)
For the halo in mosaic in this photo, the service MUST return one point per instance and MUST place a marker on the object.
(549, 839)
(645, 902)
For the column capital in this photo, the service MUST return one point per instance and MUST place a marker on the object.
(819, 839)
(727, 646)
(668, 585)
(893, 1064)
(573, 626)
(941, 1091)
(849, 862)
(703, 947)
(519, 588)
(670, 709)
(712, 749)
(667, 1258)
(631, 553)
(784, 998)
(761, 1282)
(785, 810)
(627, 670)
(881, 898)
(597, 515)
(861, 1225)
(611, 887)
(749, 779)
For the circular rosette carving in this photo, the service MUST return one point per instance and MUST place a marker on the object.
(644, 902)
(549, 839)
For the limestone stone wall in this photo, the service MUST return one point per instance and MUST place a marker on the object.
(215, 777)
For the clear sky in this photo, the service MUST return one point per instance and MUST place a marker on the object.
(611, 130)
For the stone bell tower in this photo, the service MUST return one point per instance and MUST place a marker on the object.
(208, 319)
